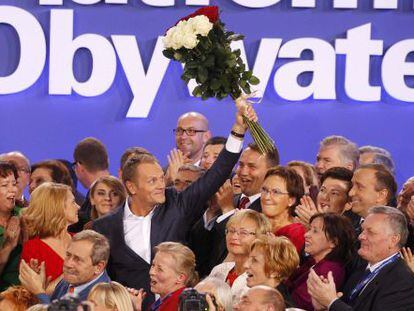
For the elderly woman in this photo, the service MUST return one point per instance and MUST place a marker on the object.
(330, 245)
(172, 270)
(9, 226)
(281, 191)
(52, 209)
(107, 193)
(110, 296)
(217, 289)
(272, 260)
(241, 230)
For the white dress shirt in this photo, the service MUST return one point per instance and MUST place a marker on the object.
(137, 232)
(79, 288)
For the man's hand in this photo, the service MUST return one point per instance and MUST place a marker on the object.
(34, 282)
(225, 197)
(322, 290)
(244, 108)
(408, 257)
(176, 159)
(137, 297)
(306, 210)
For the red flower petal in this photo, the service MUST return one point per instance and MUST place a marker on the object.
(212, 12)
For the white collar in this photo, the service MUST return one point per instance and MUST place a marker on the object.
(252, 198)
(128, 214)
(81, 287)
(376, 265)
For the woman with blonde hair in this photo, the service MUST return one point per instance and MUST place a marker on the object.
(217, 289)
(272, 260)
(110, 296)
(241, 230)
(52, 209)
(17, 298)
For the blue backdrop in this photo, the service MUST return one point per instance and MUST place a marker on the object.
(49, 126)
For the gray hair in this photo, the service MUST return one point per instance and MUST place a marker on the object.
(5, 156)
(192, 168)
(396, 220)
(222, 292)
(271, 296)
(374, 149)
(100, 245)
(348, 150)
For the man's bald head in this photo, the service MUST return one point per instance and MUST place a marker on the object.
(191, 134)
(261, 298)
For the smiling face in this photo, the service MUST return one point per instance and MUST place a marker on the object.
(164, 278)
(274, 199)
(377, 239)
(240, 236)
(317, 243)
(333, 195)
(8, 192)
(255, 269)
(210, 154)
(105, 199)
(328, 157)
(251, 171)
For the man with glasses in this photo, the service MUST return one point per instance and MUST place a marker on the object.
(191, 134)
(22, 164)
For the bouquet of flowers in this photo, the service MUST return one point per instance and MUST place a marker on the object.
(202, 44)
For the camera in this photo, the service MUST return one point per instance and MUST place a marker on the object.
(191, 300)
(68, 303)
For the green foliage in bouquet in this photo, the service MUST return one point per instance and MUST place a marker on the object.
(217, 69)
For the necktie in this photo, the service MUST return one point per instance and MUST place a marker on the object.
(243, 202)
(71, 290)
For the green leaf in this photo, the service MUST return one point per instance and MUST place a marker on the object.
(215, 84)
(254, 80)
(169, 53)
(202, 74)
(197, 91)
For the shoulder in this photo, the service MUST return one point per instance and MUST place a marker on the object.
(32, 245)
(221, 270)
(324, 266)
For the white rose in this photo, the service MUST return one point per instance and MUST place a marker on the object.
(190, 41)
(201, 25)
(177, 40)
(168, 39)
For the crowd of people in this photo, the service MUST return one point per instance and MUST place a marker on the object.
(221, 227)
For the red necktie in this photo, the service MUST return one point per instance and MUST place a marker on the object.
(243, 202)
(71, 290)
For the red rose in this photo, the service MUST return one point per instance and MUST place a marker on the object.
(212, 12)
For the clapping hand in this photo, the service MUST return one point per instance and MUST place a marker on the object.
(408, 257)
(322, 290)
(225, 197)
(137, 297)
(35, 282)
(306, 210)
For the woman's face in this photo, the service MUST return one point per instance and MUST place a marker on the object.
(333, 196)
(8, 192)
(105, 199)
(164, 278)
(38, 177)
(316, 243)
(275, 199)
(71, 209)
(240, 236)
(255, 269)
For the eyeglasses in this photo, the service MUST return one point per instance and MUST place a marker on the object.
(241, 233)
(73, 165)
(23, 169)
(190, 131)
(272, 192)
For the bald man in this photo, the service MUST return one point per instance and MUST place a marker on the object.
(261, 298)
(191, 134)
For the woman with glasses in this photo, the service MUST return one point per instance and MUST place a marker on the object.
(281, 192)
(241, 230)
(107, 193)
(330, 246)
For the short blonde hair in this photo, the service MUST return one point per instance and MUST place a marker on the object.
(112, 295)
(45, 215)
(280, 255)
(20, 297)
(184, 259)
(262, 223)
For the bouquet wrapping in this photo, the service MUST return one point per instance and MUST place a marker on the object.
(201, 42)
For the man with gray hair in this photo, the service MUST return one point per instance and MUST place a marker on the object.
(386, 283)
(261, 298)
(84, 266)
(378, 155)
(336, 151)
(22, 164)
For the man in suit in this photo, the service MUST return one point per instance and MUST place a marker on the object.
(83, 267)
(386, 283)
(91, 162)
(155, 214)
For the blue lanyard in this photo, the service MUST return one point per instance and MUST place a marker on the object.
(368, 276)
(157, 304)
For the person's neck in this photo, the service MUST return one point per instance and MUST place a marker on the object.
(280, 221)
(94, 176)
(239, 261)
(140, 209)
(4, 218)
(272, 282)
(322, 255)
(196, 157)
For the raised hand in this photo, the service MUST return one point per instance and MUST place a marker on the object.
(306, 210)
(176, 159)
(408, 257)
(225, 197)
(322, 290)
(34, 282)
(137, 297)
(244, 108)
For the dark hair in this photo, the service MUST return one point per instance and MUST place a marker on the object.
(272, 157)
(7, 168)
(385, 180)
(59, 172)
(309, 172)
(91, 153)
(132, 151)
(339, 230)
(216, 140)
(339, 173)
(294, 183)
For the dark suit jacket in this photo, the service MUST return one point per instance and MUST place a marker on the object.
(84, 216)
(171, 221)
(62, 289)
(391, 290)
